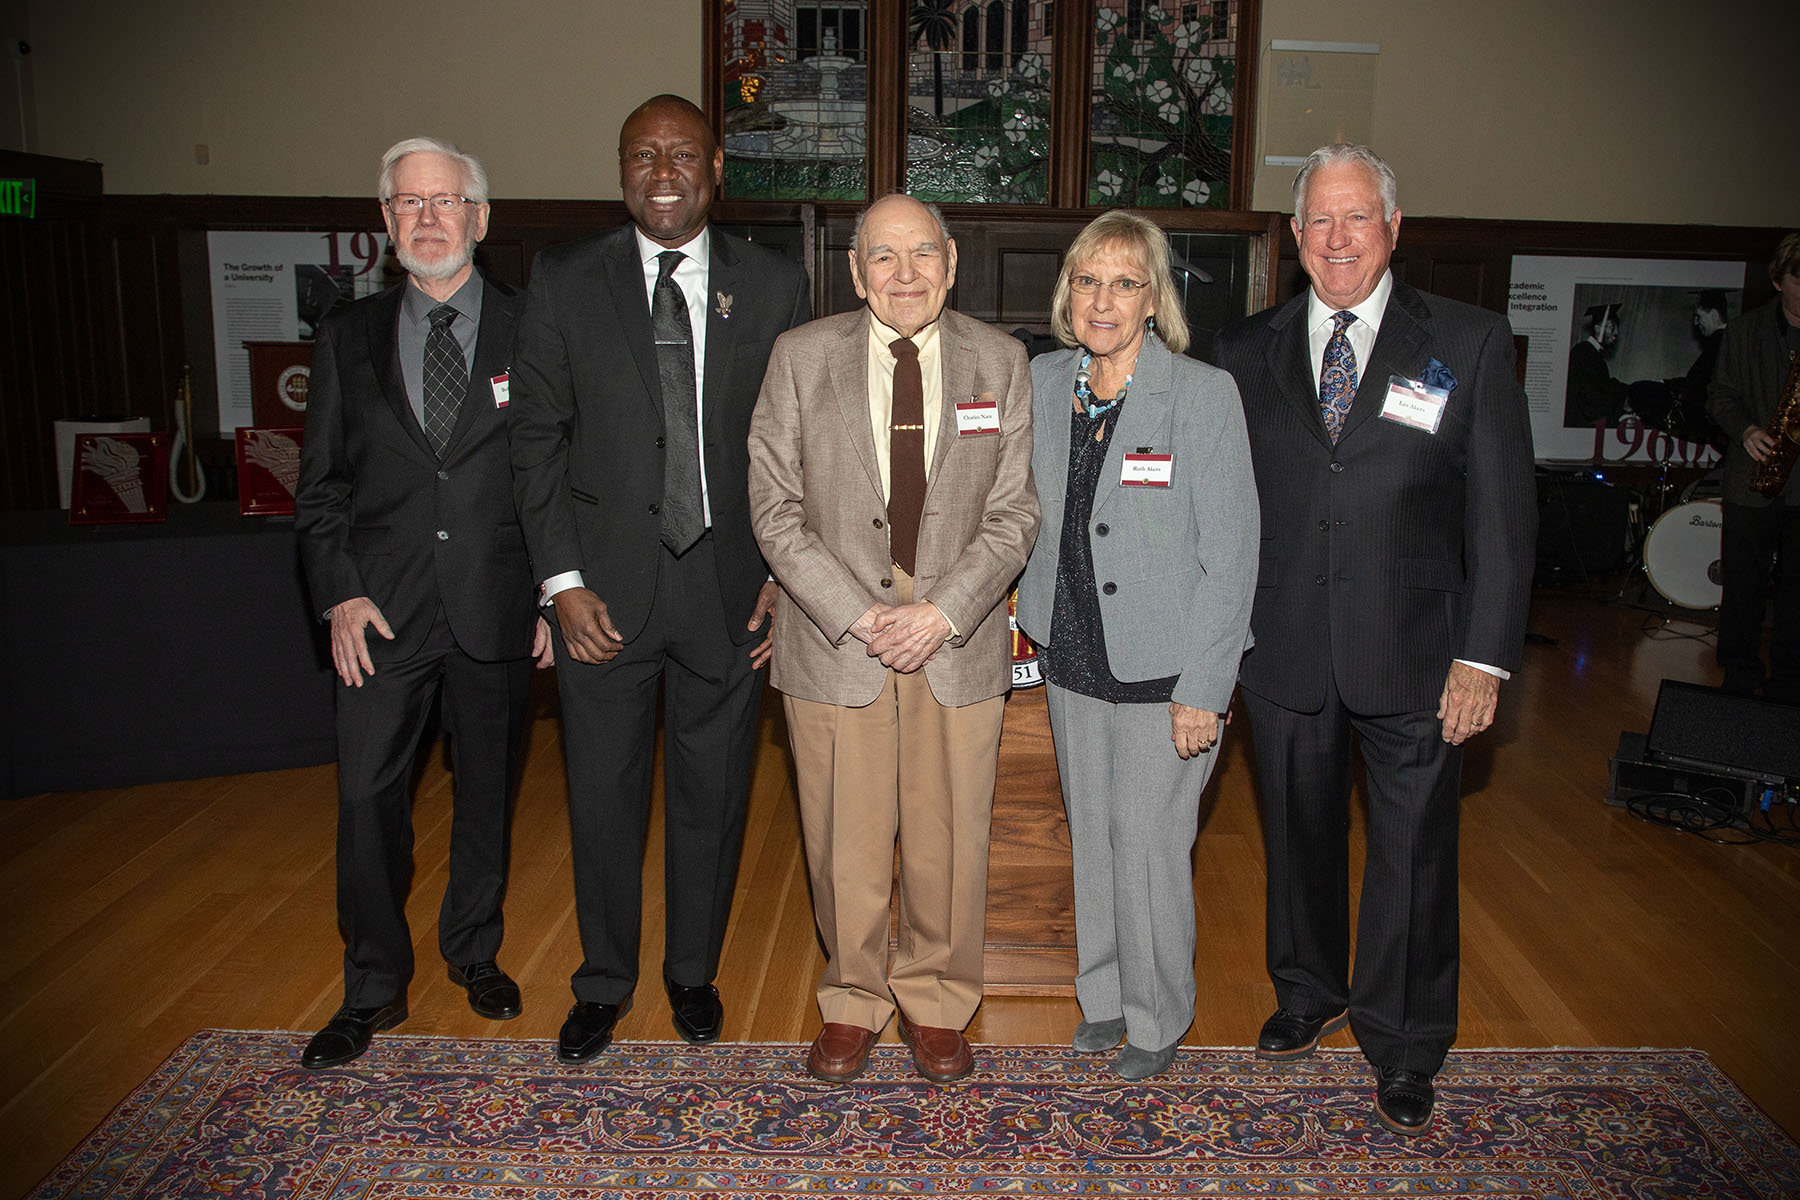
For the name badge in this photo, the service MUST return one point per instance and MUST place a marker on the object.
(977, 416)
(500, 384)
(1410, 402)
(1145, 469)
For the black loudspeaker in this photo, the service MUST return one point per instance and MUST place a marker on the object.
(1710, 730)
(1584, 527)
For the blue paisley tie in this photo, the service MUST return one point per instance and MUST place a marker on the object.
(1337, 379)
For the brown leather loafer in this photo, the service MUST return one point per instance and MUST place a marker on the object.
(940, 1055)
(840, 1052)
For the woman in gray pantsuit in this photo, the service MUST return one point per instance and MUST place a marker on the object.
(1138, 596)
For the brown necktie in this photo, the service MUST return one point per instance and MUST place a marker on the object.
(906, 455)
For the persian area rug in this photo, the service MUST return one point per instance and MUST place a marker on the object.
(233, 1114)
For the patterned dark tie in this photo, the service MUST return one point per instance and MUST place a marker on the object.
(1337, 376)
(446, 378)
(683, 519)
(906, 455)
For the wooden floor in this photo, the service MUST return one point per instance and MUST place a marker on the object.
(144, 914)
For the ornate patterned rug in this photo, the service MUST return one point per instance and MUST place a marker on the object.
(232, 1114)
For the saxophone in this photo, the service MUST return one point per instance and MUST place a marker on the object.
(1770, 475)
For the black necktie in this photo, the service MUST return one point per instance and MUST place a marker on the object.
(683, 521)
(446, 378)
(906, 455)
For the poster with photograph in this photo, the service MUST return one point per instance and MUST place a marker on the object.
(1621, 350)
(276, 287)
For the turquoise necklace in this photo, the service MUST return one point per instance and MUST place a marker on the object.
(1086, 396)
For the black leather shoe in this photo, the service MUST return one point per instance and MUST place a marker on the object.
(588, 1030)
(1403, 1100)
(1287, 1034)
(346, 1036)
(699, 1016)
(492, 993)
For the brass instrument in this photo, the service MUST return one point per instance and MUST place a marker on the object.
(1770, 475)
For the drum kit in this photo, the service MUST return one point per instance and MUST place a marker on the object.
(1681, 553)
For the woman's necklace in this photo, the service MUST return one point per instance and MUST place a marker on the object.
(1086, 396)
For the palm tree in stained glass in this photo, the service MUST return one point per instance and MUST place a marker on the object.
(933, 22)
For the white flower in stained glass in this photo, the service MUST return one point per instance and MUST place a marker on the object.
(1188, 35)
(996, 88)
(1155, 16)
(1106, 20)
(1197, 192)
(1126, 71)
(1218, 101)
(1200, 72)
(1159, 90)
(1165, 186)
(1031, 67)
(1019, 126)
(1170, 112)
(1108, 183)
(986, 156)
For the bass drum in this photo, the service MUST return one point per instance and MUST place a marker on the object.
(1681, 555)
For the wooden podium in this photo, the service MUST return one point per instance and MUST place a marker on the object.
(1030, 949)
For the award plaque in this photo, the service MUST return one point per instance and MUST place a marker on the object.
(268, 464)
(279, 374)
(120, 478)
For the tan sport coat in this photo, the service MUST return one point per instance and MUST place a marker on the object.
(817, 510)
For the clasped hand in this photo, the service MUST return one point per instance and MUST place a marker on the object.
(905, 636)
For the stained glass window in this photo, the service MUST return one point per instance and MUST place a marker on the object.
(978, 101)
(795, 82)
(1162, 82)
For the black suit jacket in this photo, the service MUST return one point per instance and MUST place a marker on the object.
(378, 515)
(1752, 368)
(1400, 549)
(587, 423)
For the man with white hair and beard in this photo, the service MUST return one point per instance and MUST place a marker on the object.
(413, 553)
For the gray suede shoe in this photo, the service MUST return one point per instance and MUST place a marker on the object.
(1091, 1037)
(1135, 1064)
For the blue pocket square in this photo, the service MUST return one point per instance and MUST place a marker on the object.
(1439, 376)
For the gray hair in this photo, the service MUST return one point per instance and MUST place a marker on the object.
(1337, 154)
(1144, 241)
(475, 180)
(937, 215)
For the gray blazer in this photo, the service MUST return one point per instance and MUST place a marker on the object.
(1176, 565)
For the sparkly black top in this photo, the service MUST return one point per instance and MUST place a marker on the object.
(1075, 659)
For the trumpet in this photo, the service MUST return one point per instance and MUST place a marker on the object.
(1770, 475)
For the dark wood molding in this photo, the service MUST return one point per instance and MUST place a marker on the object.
(1243, 103)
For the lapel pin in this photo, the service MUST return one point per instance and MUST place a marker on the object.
(724, 309)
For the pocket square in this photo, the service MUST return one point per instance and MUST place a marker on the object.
(1439, 376)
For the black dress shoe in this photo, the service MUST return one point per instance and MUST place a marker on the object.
(346, 1036)
(1403, 1100)
(588, 1030)
(492, 993)
(1287, 1034)
(699, 1016)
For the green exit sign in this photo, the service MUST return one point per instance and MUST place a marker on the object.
(18, 197)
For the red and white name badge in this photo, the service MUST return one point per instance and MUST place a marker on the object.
(501, 385)
(977, 416)
(1148, 470)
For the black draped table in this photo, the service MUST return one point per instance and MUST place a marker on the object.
(145, 653)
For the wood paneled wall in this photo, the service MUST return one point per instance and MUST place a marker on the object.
(105, 298)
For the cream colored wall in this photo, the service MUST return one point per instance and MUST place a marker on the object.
(1581, 110)
(1575, 110)
(300, 97)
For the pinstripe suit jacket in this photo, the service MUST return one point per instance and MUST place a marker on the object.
(1395, 551)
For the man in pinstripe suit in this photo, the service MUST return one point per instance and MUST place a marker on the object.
(1392, 450)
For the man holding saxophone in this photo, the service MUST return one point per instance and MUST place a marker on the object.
(1755, 398)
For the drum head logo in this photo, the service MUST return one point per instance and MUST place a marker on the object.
(291, 387)
(1027, 672)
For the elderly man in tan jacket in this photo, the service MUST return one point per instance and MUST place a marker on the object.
(890, 490)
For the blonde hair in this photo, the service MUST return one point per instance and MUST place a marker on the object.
(1140, 238)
